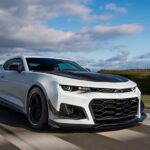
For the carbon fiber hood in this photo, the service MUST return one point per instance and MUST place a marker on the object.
(90, 76)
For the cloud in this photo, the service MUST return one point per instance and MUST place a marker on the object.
(22, 26)
(120, 61)
(41, 37)
(122, 56)
(116, 8)
(108, 32)
(23, 29)
(36, 10)
(113, 62)
(29, 12)
(144, 56)
(135, 64)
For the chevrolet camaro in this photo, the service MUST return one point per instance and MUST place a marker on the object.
(60, 93)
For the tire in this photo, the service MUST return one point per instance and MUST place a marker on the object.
(37, 110)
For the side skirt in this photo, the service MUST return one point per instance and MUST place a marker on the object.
(10, 105)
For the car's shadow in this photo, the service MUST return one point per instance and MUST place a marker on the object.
(14, 119)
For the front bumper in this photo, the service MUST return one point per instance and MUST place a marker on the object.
(83, 100)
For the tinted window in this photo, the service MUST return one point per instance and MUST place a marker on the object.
(13, 64)
(46, 64)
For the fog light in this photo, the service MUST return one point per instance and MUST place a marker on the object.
(72, 111)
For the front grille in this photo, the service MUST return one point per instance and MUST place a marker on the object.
(106, 109)
(106, 90)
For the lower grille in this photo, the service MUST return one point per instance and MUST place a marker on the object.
(113, 109)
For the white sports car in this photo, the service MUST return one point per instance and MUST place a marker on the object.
(61, 93)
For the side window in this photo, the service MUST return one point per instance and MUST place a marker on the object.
(13, 64)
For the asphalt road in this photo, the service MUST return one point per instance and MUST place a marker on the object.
(16, 134)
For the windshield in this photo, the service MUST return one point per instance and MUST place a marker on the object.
(50, 65)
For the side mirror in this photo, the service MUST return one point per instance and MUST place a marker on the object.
(89, 70)
(20, 68)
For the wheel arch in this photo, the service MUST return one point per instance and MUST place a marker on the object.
(41, 87)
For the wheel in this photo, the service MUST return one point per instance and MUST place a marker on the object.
(37, 111)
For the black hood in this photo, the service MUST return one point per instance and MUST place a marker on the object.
(89, 76)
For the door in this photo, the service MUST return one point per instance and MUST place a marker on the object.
(12, 83)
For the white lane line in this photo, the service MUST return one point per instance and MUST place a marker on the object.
(147, 120)
(46, 141)
(29, 140)
(123, 135)
(17, 142)
(8, 139)
(2, 140)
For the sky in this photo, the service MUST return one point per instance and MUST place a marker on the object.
(98, 34)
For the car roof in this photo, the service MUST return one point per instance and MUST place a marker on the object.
(44, 57)
(38, 57)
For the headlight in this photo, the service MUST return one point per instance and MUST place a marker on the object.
(133, 89)
(74, 88)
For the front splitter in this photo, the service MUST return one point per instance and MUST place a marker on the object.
(111, 126)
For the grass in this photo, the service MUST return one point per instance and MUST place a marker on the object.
(146, 99)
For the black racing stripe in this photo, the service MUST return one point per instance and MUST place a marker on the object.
(89, 76)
